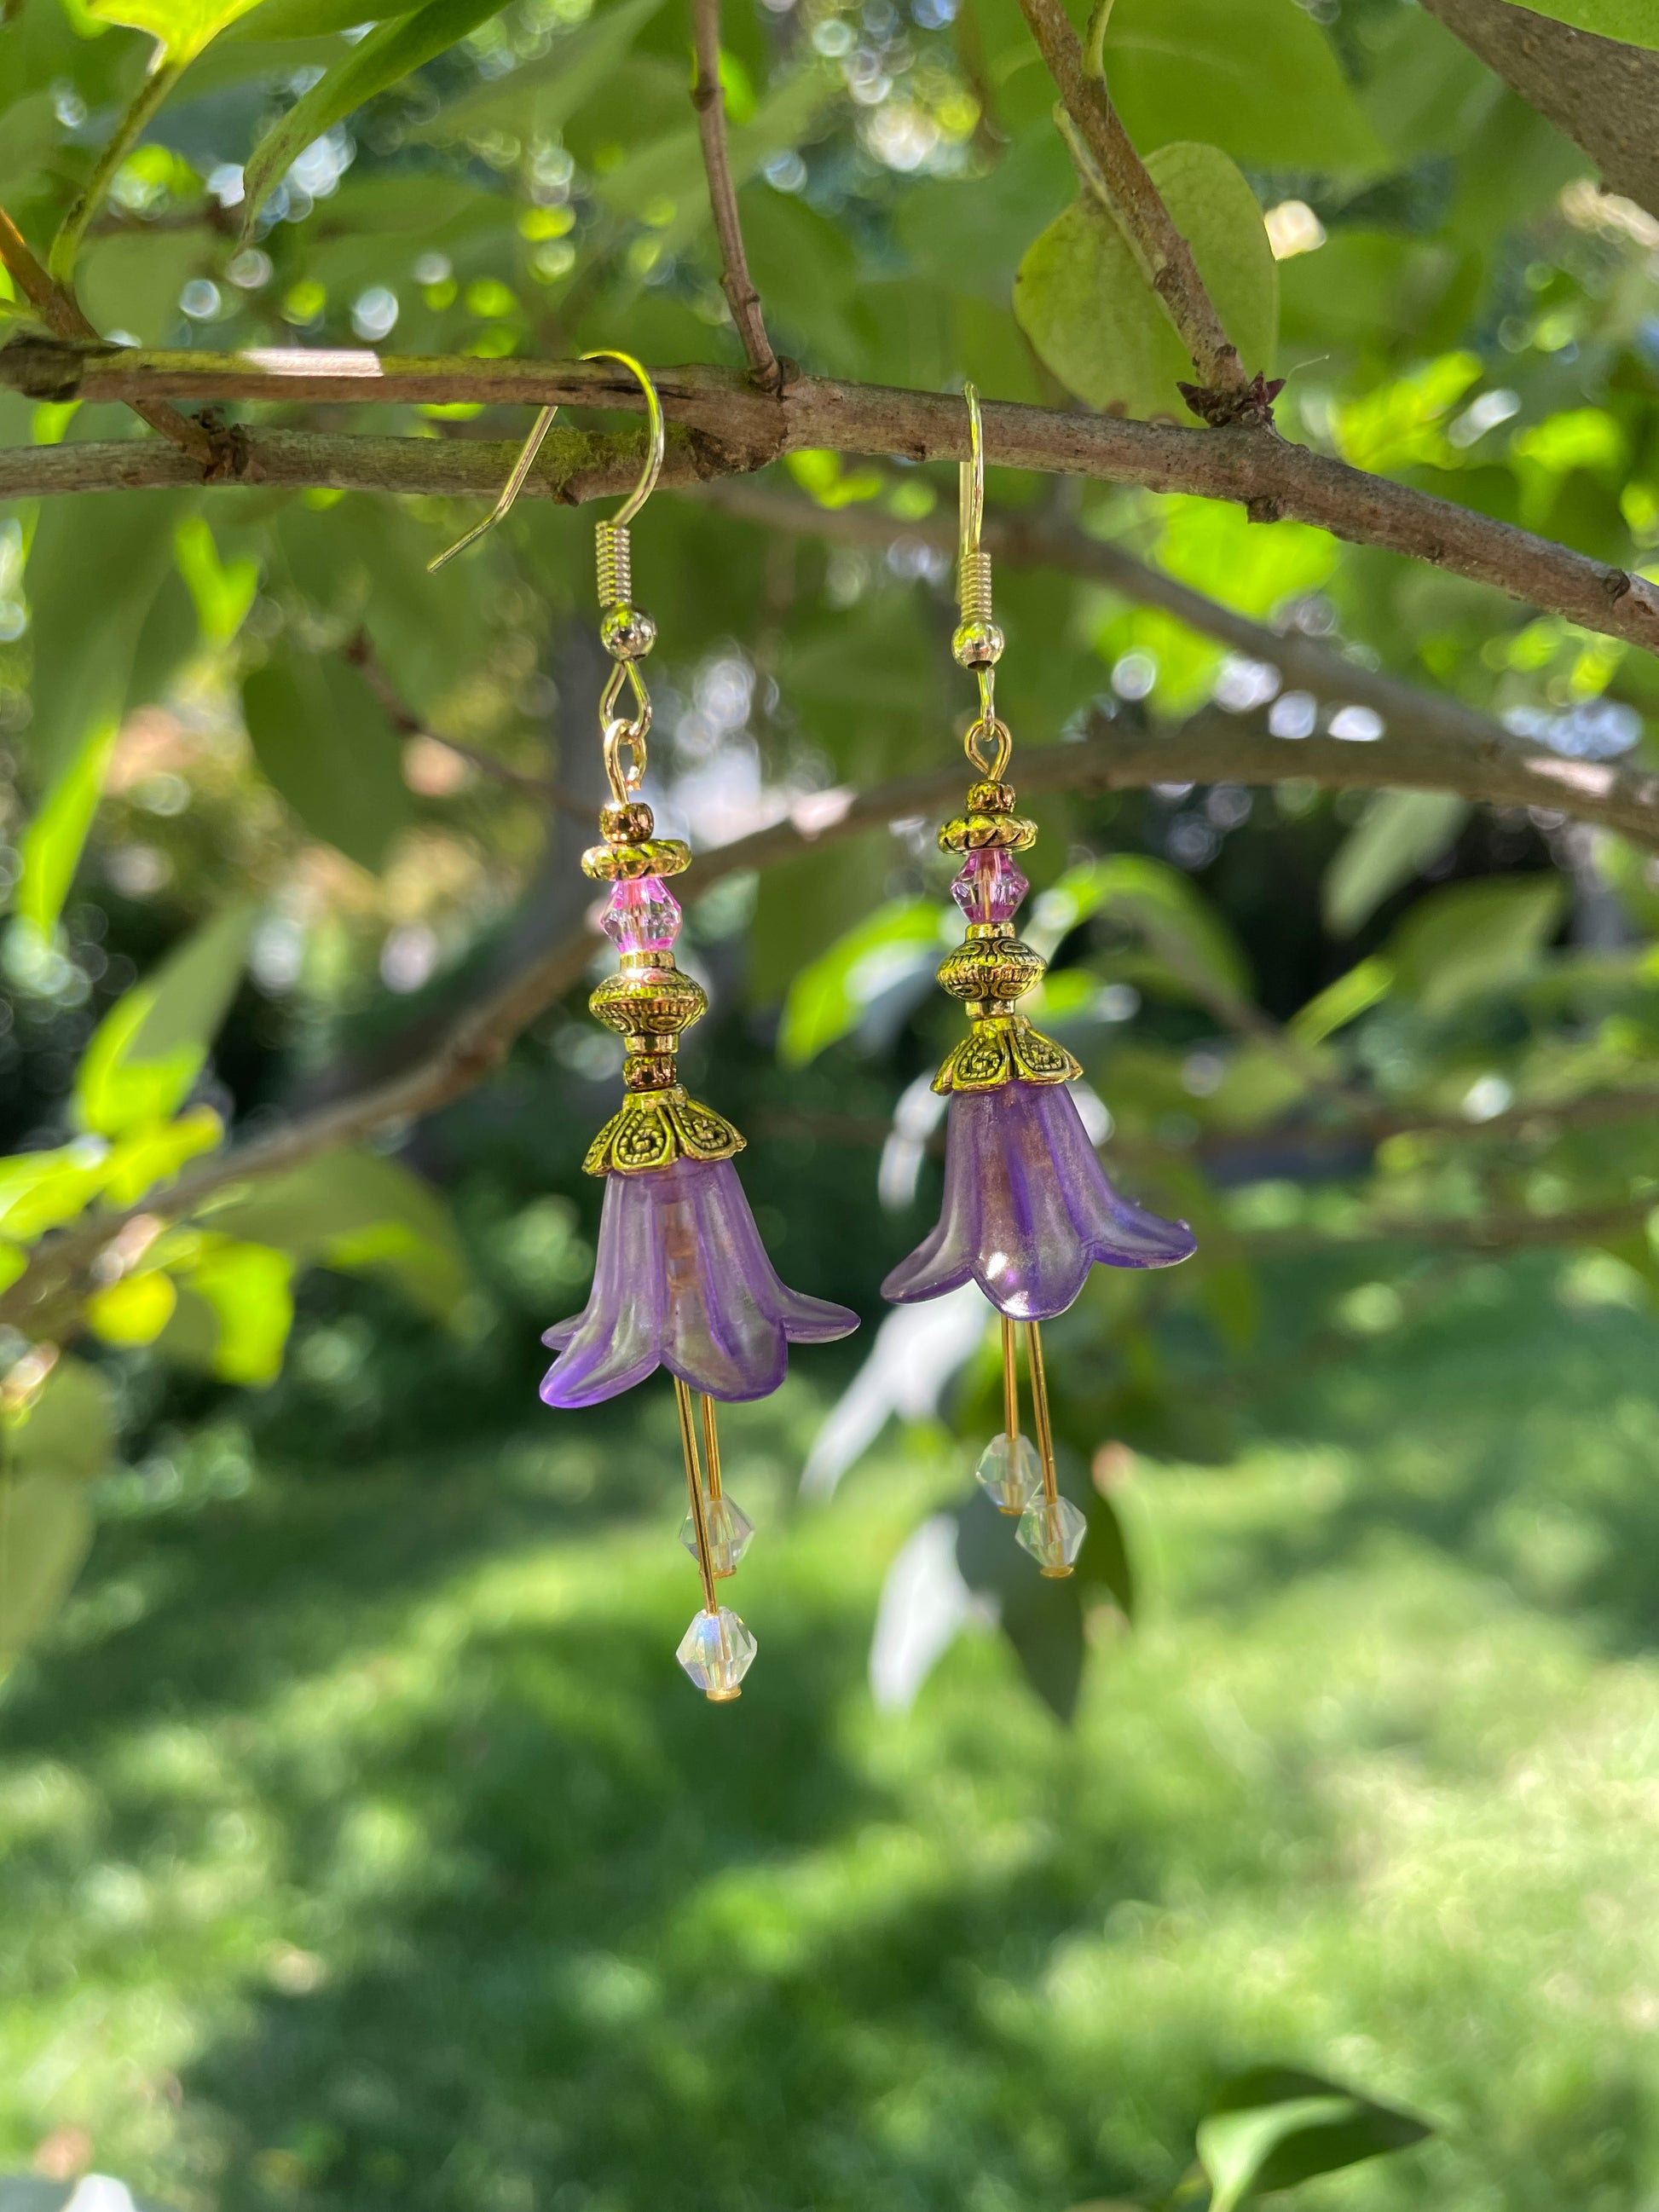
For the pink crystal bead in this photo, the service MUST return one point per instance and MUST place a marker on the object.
(990, 886)
(641, 916)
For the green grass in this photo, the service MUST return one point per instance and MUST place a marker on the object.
(362, 1847)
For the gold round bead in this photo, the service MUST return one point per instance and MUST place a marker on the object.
(627, 632)
(977, 644)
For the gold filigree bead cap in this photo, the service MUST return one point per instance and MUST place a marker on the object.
(988, 797)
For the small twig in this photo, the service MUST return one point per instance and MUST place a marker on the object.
(66, 247)
(736, 283)
(58, 308)
(360, 650)
(1225, 393)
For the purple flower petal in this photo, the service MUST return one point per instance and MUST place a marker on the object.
(683, 1281)
(1028, 1209)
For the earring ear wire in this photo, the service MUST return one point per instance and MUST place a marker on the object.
(510, 490)
(977, 643)
(626, 631)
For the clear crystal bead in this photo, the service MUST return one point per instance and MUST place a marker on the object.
(1052, 1531)
(1010, 1470)
(717, 1651)
(730, 1531)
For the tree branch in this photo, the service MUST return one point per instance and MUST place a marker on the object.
(727, 427)
(709, 101)
(58, 308)
(1225, 394)
(360, 650)
(1212, 747)
(1303, 663)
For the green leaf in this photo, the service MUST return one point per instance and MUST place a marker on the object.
(1080, 298)
(1344, 1001)
(1635, 22)
(48, 1452)
(45, 1533)
(102, 549)
(149, 1048)
(151, 1156)
(42, 1190)
(671, 167)
(181, 28)
(130, 280)
(53, 842)
(250, 1289)
(223, 590)
(1467, 940)
(68, 1429)
(363, 1212)
(1258, 78)
(831, 996)
(1041, 1619)
(312, 19)
(1275, 2126)
(542, 95)
(1400, 833)
(385, 56)
(1149, 896)
(133, 1311)
(323, 740)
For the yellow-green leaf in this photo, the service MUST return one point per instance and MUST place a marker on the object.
(135, 1310)
(1080, 297)
(181, 28)
(149, 1048)
(250, 1288)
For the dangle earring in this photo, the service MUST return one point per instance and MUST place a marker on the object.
(1028, 1210)
(681, 1279)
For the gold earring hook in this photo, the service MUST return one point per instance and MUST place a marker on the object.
(510, 490)
(978, 642)
(972, 479)
(657, 435)
(626, 632)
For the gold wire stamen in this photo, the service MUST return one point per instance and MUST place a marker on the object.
(711, 1603)
(1010, 1383)
(1045, 1435)
(711, 1448)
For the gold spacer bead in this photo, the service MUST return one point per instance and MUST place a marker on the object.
(627, 632)
(987, 796)
(628, 824)
(647, 856)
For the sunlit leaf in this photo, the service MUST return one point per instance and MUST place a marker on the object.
(152, 1155)
(1082, 302)
(360, 1212)
(1274, 2126)
(53, 842)
(250, 1289)
(390, 52)
(1343, 1002)
(1400, 833)
(42, 1190)
(134, 1310)
(181, 27)
(152, 1044)
(543, 95)
(1635, 22)
(831, 995)
(1466, 939)
(223, 590)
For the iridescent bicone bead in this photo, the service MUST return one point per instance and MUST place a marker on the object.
(717, 1651)
(730, 1532)
(641, 915)
(1052, 1529)
(1010, 1471)
(990, 886)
